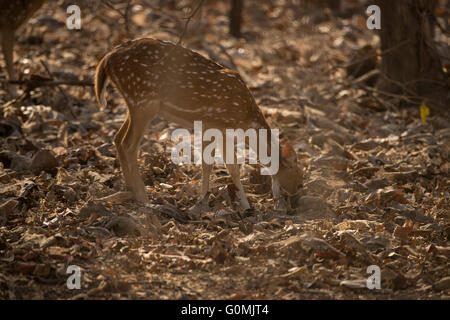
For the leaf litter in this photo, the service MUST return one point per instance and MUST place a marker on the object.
(375, 192)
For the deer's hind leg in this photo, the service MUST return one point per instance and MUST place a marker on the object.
(121, 152)
(129, 140)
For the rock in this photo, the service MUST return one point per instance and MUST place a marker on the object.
(43, 160)
(122, 226)
(91, 207)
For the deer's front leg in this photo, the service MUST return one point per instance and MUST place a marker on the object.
(202, 203)
(234, 170)
(280, 203)
(206, 173)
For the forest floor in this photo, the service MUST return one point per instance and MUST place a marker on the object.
(375, 192)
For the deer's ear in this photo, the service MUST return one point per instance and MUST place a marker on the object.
(289, 155)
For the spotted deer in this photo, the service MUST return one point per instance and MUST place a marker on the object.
(14, 14)
(158, 78)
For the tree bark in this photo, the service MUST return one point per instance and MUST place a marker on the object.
(415, 63)
(236, 17)
(334, 5)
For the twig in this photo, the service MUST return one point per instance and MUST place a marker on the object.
(228, 64)
(389, 94)
(409, 91)
(163, 13)
(443, 30)
(441, 83)
(411, 98)
(188, 19)
(59, 88)
(346, 65)
(230, 58)
(125, 15)
(49, 83)
(367, 76)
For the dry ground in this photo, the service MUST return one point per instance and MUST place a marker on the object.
(376, 188)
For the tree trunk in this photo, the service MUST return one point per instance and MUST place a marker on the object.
(412, 60)
(236, 17)
(334, 5)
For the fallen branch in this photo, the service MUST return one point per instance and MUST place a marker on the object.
(370, 56)
(365, 77)
(49, 83)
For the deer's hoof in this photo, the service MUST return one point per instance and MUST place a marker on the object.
(201, 206)
(281, 205)
(141, 197)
